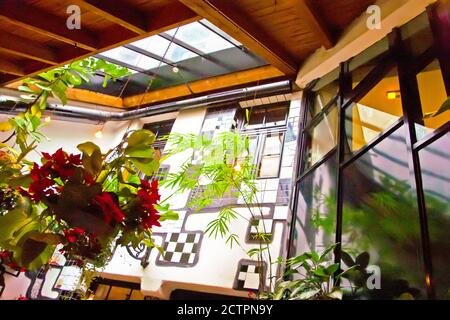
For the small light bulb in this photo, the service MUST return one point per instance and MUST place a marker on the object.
(47, 119)
(99, 134)
(237, 167)
(175, 69)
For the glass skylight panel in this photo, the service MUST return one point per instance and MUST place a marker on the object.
(220, 32)
(158, 46)
(130, 57)
(200, 37)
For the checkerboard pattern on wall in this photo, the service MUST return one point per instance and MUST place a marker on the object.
(180, 249)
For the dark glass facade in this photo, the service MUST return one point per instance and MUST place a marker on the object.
(372, 171)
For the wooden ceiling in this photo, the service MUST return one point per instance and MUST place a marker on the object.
(34, 36)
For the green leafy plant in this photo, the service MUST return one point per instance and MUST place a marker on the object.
(83, 202)
(225, 170)
(315, 278)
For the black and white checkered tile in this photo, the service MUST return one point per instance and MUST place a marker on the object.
(180, 249)
(260, 226)
(248, 276)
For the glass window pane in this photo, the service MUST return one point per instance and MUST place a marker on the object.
(276, 116)
(159, 45)
(417, 35)
(131, 57)
(271, 155)
(361, 65)
(380, 217)
(432, 96)
(374, 113)
(256, 117)
(315, 221)
(321, 139)
(200, 37)
(219, 31)
(325, 90)
(435, 161)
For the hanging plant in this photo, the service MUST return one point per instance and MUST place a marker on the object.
(84, 203)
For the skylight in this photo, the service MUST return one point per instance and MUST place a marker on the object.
(132, 58)
(158, 46)
(198, 36)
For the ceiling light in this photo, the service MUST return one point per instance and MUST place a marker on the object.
(98, 134)
(392, 95)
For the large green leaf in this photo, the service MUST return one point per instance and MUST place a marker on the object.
(147, 166)
(48, 238)
(11, 222)
(88, 148)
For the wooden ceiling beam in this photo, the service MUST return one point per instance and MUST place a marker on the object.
(14, 45)
(205, 85)
(118, 12)
(11, 68)
(306, 10)
(230, 20)
(37, 20)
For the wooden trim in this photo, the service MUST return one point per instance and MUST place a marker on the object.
(39, 21)
(238, 26)
(117, 12)
(11, 68)
(18, 46)
(214, 83)
(306, 10)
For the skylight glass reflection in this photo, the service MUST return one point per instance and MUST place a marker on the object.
(130, 57)
(158, 46)
(201, 38)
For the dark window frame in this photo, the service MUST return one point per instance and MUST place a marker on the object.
(408, 67)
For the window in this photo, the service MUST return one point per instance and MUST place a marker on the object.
(432, 95)
(161, 130)
(269, 166)
(435, 161)
(267, 116)
(374, 113)
(324, 91)
(321, 138)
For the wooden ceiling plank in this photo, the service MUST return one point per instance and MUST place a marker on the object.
(307, 10)
(230, 20)
(11, 68)
(200, 86)
(42, 22)
(18, 46)
(117, 12)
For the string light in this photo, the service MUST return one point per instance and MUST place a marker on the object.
(175, 69)
(237, 167)
(98, 134)
(48, 119)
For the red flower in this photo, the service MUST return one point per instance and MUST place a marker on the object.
(149, 196)
(72, 235)
(63, 163)
(22, 298)
(109, 207)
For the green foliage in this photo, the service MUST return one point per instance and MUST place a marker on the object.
(315, 278)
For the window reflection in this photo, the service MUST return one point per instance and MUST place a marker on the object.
(321, 138)
(380, 217)
(271, 155)
(432, 96)
(325, 90)
(435, 161)
(315, 220)
(374, 113)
